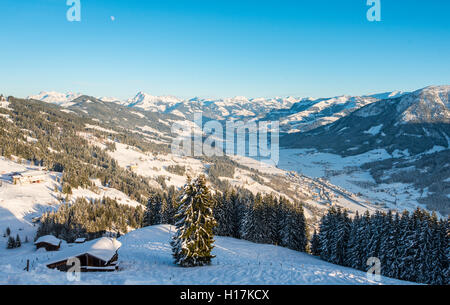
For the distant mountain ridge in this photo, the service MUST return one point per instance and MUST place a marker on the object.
(416, 122)
(295, 114)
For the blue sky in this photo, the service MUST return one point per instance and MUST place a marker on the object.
(221, 48)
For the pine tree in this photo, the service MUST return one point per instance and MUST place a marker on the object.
(340, 236)
(295, 235)
(11, 243)
(193, 241)
(327, 227)
(18, 242)
(248, 225)
(315, 244)
(353, 254)
(236, 214)
(393, 258)
(223, 213)
(271, 221)
(169, 207)
(260, 231)
(152, 214)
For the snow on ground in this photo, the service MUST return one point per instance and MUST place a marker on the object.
(146, 258)
(314, 164)
(5, 105)
(149, 165)
(374, 130)
(19, 204)
(102, 192)
(88, 126)
(6, 117)
(315, 191)
(152, 130)
(345, 172)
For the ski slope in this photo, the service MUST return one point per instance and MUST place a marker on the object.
(145, 258)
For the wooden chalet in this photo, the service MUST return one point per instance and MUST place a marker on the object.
(30, 177)
(49, 242)
(98, 255)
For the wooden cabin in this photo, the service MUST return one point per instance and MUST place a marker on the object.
(49, 242)
(98, 255)
(29, 177)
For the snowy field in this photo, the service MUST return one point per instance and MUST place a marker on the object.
(145, 258)
(19, 204)
(343, 172)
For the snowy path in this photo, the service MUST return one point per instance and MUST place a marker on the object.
(145, 258)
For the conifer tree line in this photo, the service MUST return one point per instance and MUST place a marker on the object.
(410, 247)
(261, 219)
(90, 219)
(240, 214)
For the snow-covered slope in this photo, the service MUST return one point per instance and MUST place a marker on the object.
(308, 113)
(399, 124)
(146, 258)
(236, 107)
(412, 131)
(21, 203)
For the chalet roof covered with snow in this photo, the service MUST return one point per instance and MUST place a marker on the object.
(103, 248)
(30, 174)
(48, 239)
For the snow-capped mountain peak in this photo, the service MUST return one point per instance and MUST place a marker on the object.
(53, 97)
(152, 103)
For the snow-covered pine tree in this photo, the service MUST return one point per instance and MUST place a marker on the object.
(425, 252)
(295, 235)
(272, 220)
(353, 254)
(340, 237)
(392, 258)
(237, 213)
(170, 208)
(223, 213)
(11, 243)
(18, 242)
(364, 237)
(375, 228)
(446, 241)
(408, 247)
(440, 256)
(193, 242)
(327, 227)
(385, 232)
(152, 214)
(248, 224)
(315, 244)
(260, 230)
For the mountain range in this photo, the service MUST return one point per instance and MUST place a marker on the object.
(412, 128)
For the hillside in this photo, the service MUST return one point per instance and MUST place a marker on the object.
(111, 144)
(145, 258)
(416, 122)
(412, 135)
